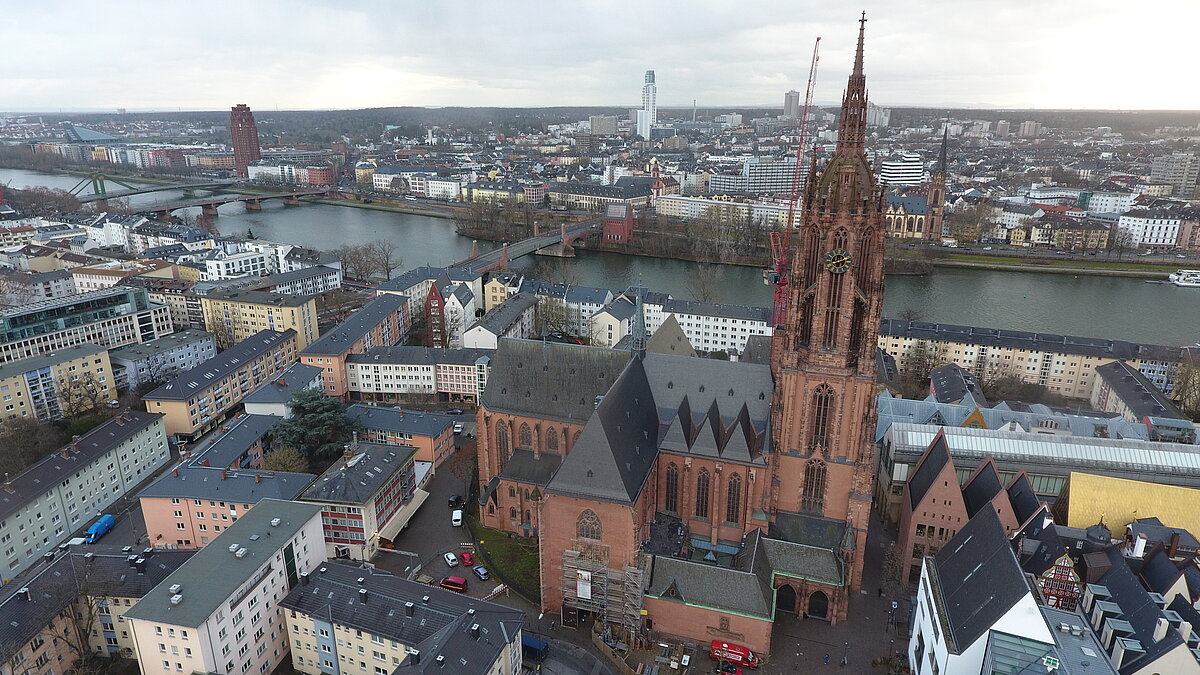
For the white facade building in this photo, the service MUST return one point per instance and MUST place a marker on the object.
(219, 612)
(1151, 229)
(444, 189)
(1111, 202)
(648, 115)
(907, 169)
(46, 503)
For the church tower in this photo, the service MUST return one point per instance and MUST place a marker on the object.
(937, 195)
(823, 357)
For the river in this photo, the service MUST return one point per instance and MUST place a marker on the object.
(1106, 307)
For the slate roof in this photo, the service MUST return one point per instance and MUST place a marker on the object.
(166, 343)
(203, 591)
(1138, 610)
(296, 275)
(439, 627)
(231, 440)
(808, 529)
(706, 585)
(100, 569)
(198, 379)
(506, 313)
(415, 422)
(977, 579)
(952, 384)
(670, 339)
(1139, 394)
(55, 468)
(1157, 533)
(345, 334)
(357, 478)
(618, 446)
(913, 206)
(936, 457)
(1073, 649)
(261, 298)
(758, 350)
(982, 488)
(523, 468)
(428, 356)
(716, 309)
(551, 380)
(1023, 497)
(426, 273)
(1038, 545)
(1016, 339)
(294, 378)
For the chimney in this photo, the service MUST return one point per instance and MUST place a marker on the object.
(1161, 626)
(409, 609)
(282, 382)
(1185, 631)
(8, 487)
(1139, 545)
(362, 595)
(1173, 548)
(222, 474)
(475, 631)
(24, 593)
(347, 455)
(304, 578)
(204, 462)
(415, 655)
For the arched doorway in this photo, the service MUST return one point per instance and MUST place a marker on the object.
(818, 605)
(785, 599)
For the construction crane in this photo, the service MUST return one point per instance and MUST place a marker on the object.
(781, 239)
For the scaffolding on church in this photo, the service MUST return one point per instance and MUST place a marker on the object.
(612, 596)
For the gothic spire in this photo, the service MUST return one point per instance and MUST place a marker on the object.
(852, 126)
(942, 157)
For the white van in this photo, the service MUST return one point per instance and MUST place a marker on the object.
(456, 518)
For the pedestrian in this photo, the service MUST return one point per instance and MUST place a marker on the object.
(826, 659)
(881, 591)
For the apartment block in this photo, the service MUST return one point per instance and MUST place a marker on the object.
(163, 358)
(387, 373)
(196, 401)
(112, 317)
(430, 433)
(306, 281)
(48, 386)
(344, 619)
(366, 497)
(234, 315)
(44, 504)
(230, 622)
(382, 322)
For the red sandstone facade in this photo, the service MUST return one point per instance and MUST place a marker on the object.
(243, 134)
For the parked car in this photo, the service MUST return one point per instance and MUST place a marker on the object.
(727, 668)
(451, 560)
(454, 411)
(456, 584)
(456, 518)
(458, 428)
(482, 573)
(466, 558)
(736, 654)
(457, 502)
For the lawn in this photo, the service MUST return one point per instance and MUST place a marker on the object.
(1092, 263)
(514, 559)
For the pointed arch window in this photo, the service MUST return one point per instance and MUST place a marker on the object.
(526, 438)
(552, 439)
(813, 496)
(588, 525)
(733, 500)
(503, 442)
(672, 483)
(703, 485)
(822, 411)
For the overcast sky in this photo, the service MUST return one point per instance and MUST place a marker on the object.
(303, 54)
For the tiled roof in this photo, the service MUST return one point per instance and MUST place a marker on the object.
(186, 385)
(416, 422)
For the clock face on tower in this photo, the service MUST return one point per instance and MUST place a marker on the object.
(838, 260)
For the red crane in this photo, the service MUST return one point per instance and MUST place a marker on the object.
(780, 240)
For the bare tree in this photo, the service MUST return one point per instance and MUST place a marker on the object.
(1186, 386)
(705, 283)
(556, 271)
(43, 201)
(464, 464)
(24, 441)
(969, 222)
(80, 393)
(383, 255)
(551, 316)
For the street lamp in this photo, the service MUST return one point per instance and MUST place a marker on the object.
(845, 653)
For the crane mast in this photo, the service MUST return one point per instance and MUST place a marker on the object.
(781, 239)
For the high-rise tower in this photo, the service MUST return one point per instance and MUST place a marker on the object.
(244, 135)
(648, 115)
(791, 104)
(824, 356)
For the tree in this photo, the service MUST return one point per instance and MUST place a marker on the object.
(43, 201)
(318, 427)
(286, 459)
(969, 222)
(893, 572)
(81, 393)
(1011, 387)
(1186, 386)
(705, 283)
(24, 441)
(464, 465)
(556, 271)
(551, 316)
(383, 255)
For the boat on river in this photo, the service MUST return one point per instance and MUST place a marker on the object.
(1186, 278)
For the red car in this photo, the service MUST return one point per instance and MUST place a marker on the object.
(467, 559)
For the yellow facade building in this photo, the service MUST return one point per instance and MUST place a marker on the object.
(234, 315)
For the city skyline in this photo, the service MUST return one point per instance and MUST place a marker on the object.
(930, 53)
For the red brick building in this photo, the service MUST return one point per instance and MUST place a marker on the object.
(618, 223)
(243, 136)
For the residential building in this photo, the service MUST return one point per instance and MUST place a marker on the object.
(952, 384)
(241, 442)
(199, 399)
(1180, 170)
(1111, 202)
(366, 498)
(16, 235)
(382, 322)
(593, 198)
(201, 619)
(61, 493)
(603, 125)
(244, 138)
(48, 387)
(907, 168)
(271, 398)
(1045, 551)
(448, 310)
(430, 433)
(162, 358)
(24, 287)
(444, 188)
(759, 175)
(974, 604)
(1029, 129)
(234, 315)
(499, 287)
(307, 281)
(415, 284)
(514, 318)
(1120, 388)
(388, 373)
(184, 306)
(1146, 228)
(791, 105)
(113, 317)
(91, 590)
(1063, 364)
(105, 275)
(410, 628)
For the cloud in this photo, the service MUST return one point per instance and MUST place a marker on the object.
(316, 54)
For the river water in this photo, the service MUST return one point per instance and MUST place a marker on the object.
(1124, 309)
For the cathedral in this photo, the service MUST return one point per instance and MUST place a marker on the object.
(676, 496)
